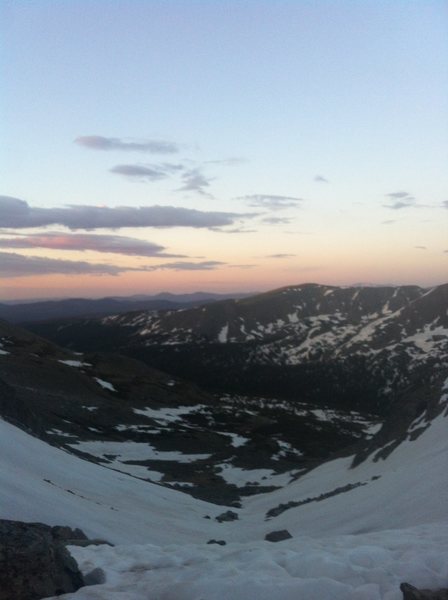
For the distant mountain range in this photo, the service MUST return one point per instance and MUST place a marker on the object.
(42, 310)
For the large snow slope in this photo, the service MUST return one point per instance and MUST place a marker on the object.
(410, 487)
(42, 483)
(355, 545)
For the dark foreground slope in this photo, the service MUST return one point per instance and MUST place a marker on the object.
(119, 412)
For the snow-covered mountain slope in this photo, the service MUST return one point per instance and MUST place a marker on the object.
(295, 310)
(335, 343)
(357, 532)
(41, 483)
(302, 311)
(410, 486)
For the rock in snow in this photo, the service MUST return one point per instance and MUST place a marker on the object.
(229, 515)
(278, 536)
(34, 562)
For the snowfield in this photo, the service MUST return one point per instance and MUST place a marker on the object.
(388, 524)
(409, 488)
(363, 567)
(42, 483)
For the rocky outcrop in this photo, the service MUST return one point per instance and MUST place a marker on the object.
(34, 562)
(229, 515)
(412, 593)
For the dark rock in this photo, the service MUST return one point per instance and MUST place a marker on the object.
(64, 534)
(227, 516)
(412, 593)
(95, 577)
(34, 562)
(278, 536)
(219, 542)
(278, 510)
(87, 542)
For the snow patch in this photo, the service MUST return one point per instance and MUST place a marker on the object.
(242, 477)
(136, 451)
(167, 414)
(74, 363)
(223, 334)
(105, 384)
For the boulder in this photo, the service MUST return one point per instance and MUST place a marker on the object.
(34, 562)
(278, 536)
(229, 515)
(219, 542)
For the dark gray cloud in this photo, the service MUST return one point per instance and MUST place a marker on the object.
(276, 220)
(321, 179)
(195, 181)
(16, 265)
(114, 244)
(147, 172)
(421, 247)
(280, 255)
(445, 204)
(17, 214)
(139, 172)
(271, 202)
(399, 195)
(98, 142)
(400, 200)
(400, 204)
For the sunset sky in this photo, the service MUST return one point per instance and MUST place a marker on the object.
(221, 145)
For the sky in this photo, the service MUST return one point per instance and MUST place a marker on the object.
(221, 145)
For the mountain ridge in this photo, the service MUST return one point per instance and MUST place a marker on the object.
(371, 342)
